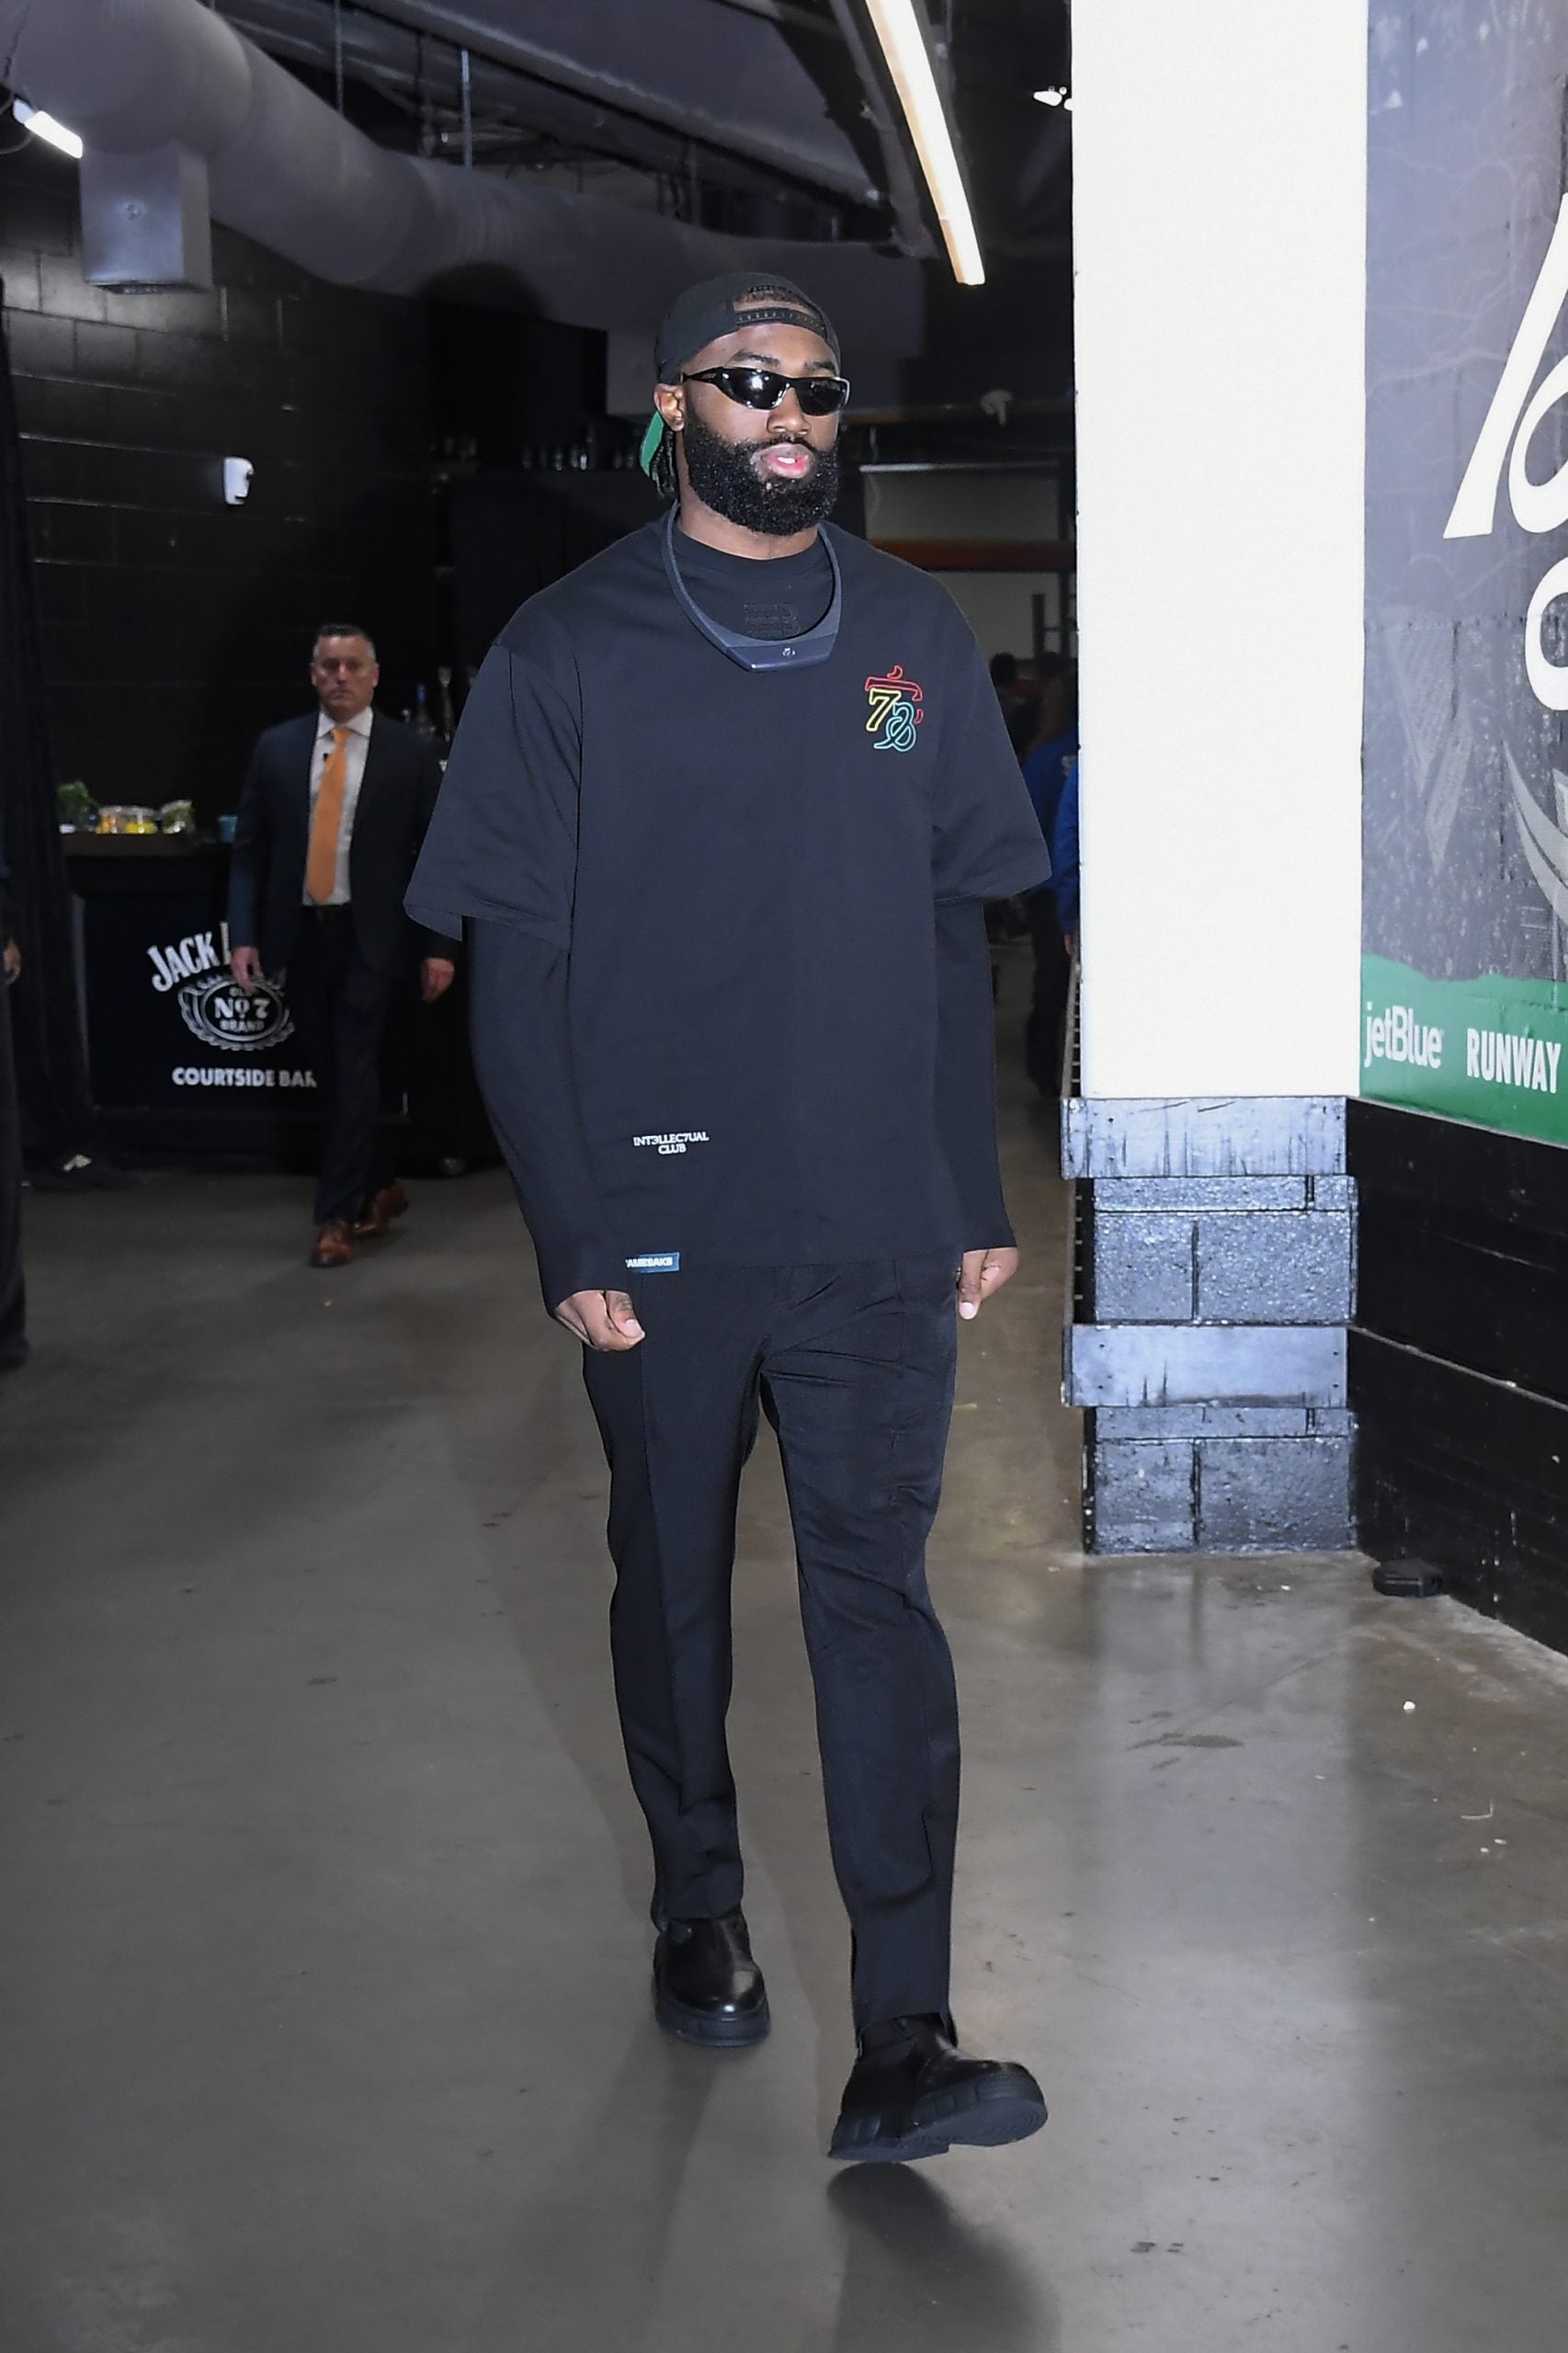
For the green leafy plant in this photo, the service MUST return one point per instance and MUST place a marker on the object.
(77, 806)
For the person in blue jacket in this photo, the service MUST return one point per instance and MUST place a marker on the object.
(1064, 843)
(1046, 764)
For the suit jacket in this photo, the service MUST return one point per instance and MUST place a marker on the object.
(267, 874)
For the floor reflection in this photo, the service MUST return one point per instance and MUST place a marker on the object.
(616, 2188)
(918, 2273)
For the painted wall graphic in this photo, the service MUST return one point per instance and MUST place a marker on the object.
(1465, 924)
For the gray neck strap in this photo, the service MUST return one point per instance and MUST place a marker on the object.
(760, 652)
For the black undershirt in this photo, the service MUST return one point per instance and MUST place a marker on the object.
(772, 597)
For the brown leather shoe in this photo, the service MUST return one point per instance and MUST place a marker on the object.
(378, 1213)
(335, 1243)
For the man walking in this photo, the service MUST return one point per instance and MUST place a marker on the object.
(721, 818)
(332, 816)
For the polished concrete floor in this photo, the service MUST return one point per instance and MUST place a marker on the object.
(322, 1955)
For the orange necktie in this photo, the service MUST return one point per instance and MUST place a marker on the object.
(321, 865)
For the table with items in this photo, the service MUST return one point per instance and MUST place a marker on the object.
(182, 1059)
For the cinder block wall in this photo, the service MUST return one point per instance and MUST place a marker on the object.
(177, 628)
(1207, 1337)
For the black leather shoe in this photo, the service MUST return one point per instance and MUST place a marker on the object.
(706, 1988)
(916, 2094)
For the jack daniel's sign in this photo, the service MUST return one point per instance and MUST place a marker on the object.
(212, 1005)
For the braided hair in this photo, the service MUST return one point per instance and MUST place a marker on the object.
(661, 471)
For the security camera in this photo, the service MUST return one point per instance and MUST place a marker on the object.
(237, 473)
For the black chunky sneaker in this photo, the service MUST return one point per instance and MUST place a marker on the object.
(913, 2093)
(706, 1988)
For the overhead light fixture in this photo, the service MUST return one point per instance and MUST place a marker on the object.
(43, 126)
(903, 46)
(1053, 97)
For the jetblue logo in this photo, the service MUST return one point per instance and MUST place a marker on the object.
(655, 1262)
(1398, 1035)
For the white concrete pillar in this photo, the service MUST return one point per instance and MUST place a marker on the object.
(1220, 171)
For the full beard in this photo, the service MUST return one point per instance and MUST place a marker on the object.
(725, 477)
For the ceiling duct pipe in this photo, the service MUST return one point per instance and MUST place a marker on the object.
(282, 166)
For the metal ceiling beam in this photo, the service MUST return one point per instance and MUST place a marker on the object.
(911, 233)
(382, 54)
(825, 158)
(779, 12)
(286, 168)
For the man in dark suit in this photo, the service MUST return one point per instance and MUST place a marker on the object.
(330, 820)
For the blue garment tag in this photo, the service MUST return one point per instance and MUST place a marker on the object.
(655, 1262)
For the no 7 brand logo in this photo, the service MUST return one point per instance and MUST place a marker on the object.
(1504, 438)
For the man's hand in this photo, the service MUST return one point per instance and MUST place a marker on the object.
(436, 977)
(604, 1320)
(245, 965)
(982, 1272)
(11, 963)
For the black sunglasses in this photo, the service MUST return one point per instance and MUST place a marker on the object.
(765, 387)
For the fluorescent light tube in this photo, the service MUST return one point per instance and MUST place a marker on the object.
(43, 126)
(903, 46)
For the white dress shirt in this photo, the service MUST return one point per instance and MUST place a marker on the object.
(354, 753)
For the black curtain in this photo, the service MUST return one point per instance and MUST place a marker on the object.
(513, 534)
(52, 1076)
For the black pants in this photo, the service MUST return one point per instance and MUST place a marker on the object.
(339, 1005)
(1045, 1039)
(854, 1367)
(13, 1299)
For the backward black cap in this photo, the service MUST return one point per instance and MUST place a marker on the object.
(719, 306)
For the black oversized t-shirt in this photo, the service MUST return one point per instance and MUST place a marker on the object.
(741, 868)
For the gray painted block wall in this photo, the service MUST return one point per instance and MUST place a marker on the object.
(1213, 1278)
